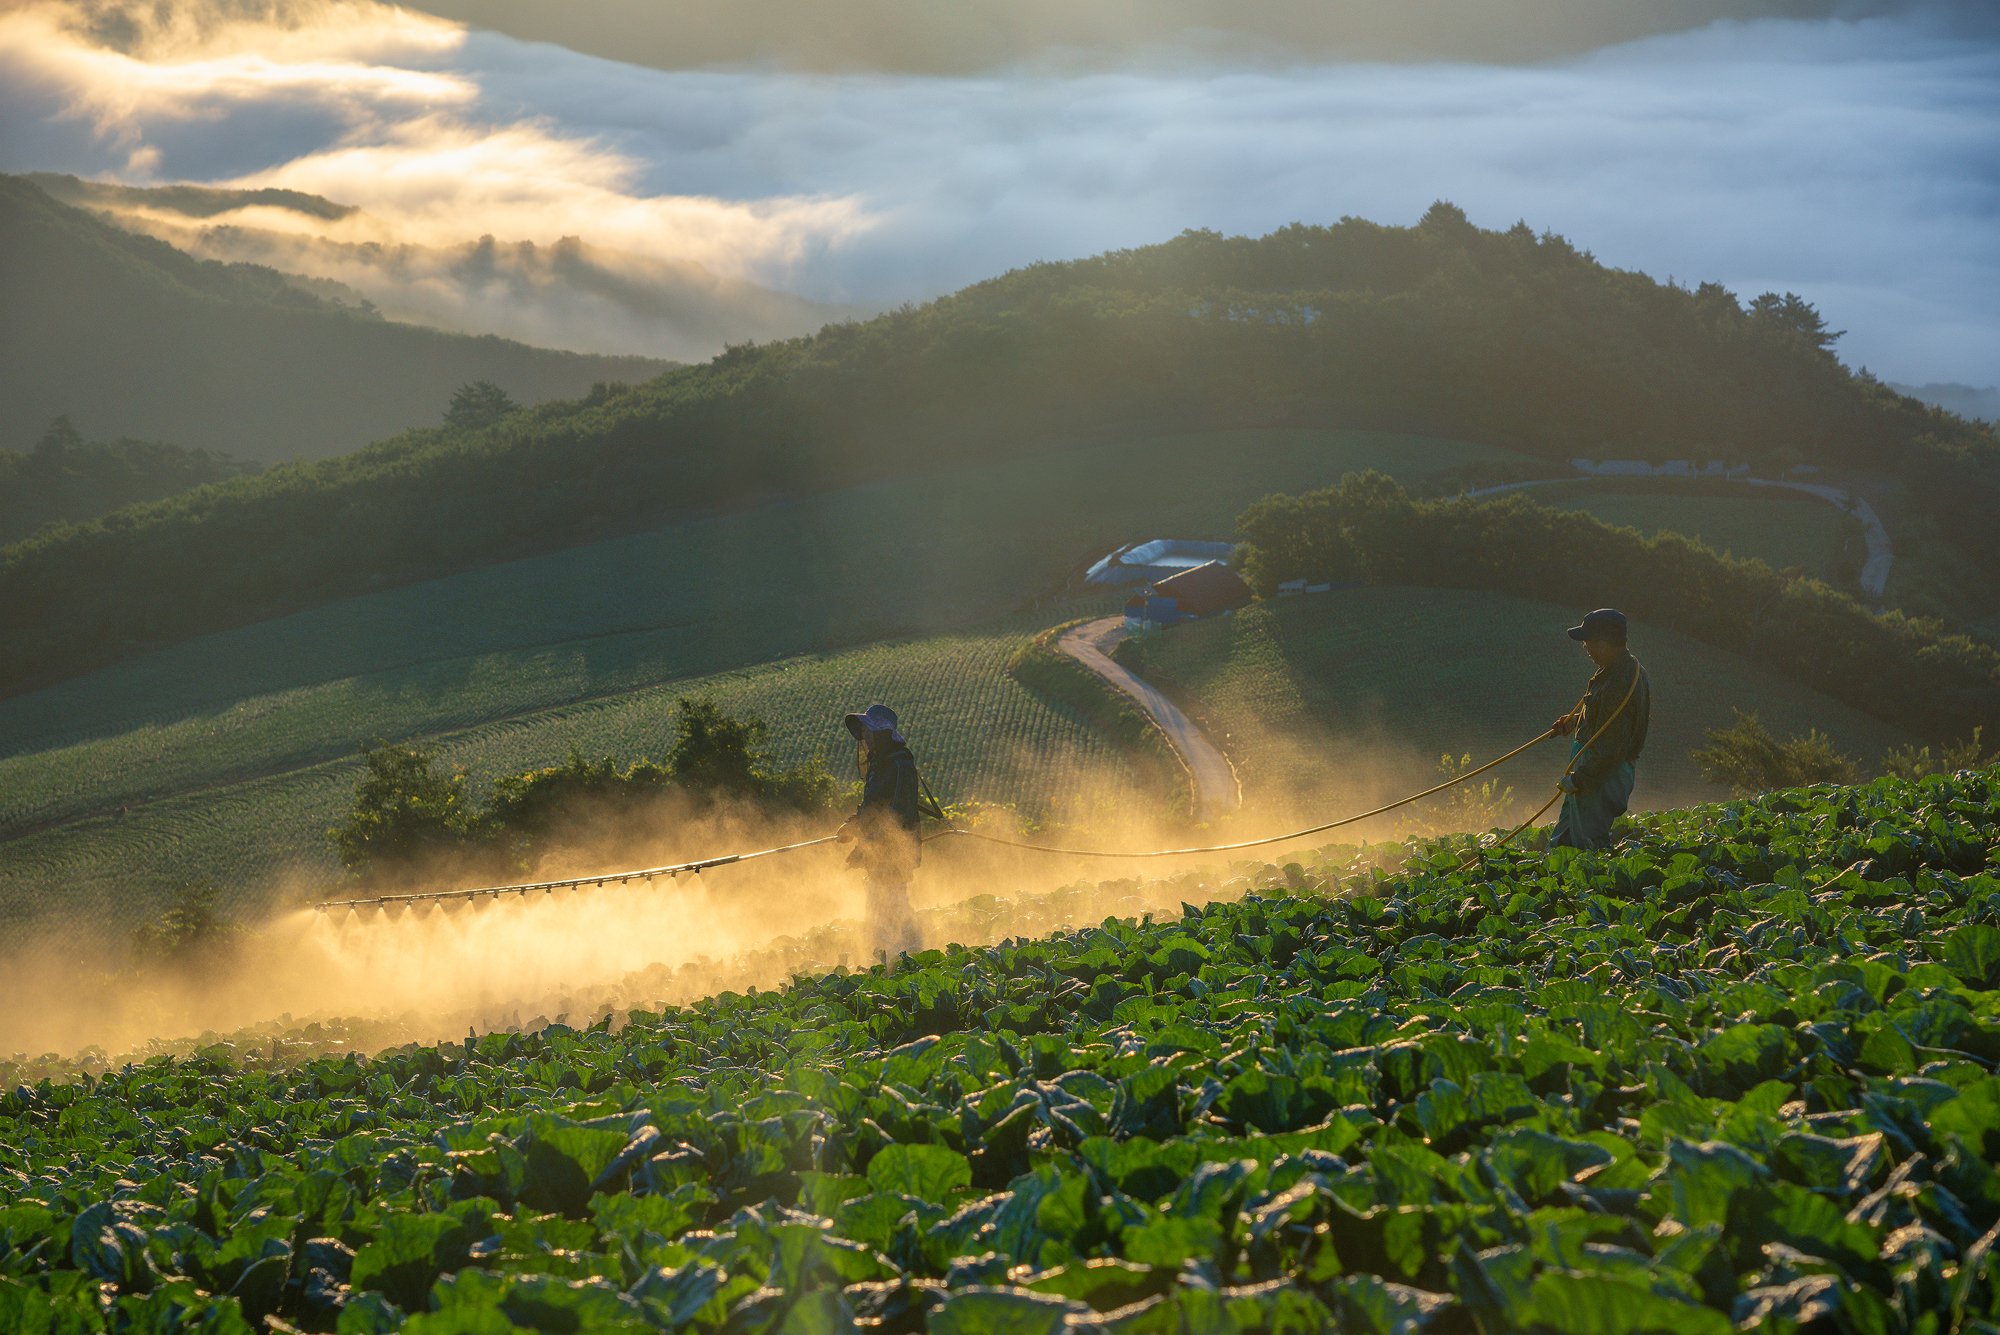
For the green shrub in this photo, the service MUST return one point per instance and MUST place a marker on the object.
(1914, 762)
(190, 937)
(1747, 759)
(406, 812)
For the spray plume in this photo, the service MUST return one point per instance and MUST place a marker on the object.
(429, 971)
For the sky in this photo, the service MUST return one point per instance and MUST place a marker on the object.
(1852, 158)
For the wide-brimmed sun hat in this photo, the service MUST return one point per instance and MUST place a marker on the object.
(875, 718)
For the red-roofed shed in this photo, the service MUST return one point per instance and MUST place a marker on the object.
(1204, 590)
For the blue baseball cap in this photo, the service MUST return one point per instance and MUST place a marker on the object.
(875, 718)
(1606, 623)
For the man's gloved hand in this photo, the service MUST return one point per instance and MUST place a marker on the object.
(1568, 785)
(1563, 726)
(845, 834)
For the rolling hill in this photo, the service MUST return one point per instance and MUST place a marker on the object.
(129, 337)
(237, 750)
(1437, 330)
(553, 580)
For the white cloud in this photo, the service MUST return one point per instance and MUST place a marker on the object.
(1856, 162)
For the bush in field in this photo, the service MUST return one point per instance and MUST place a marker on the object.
(526, 808)
(1468, 807)
(1915, 762)
(719, 754)
(1749, 760)
(405, 811)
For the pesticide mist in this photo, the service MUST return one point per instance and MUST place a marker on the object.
(432, 970)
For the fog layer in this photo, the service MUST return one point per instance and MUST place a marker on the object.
(1854, 159)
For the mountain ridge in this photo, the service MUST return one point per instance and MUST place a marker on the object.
(568, 294)
(254, 364)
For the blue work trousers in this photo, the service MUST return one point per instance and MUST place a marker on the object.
(1586, 817)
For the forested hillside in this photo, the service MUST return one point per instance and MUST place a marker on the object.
(1500, 337)
(129, 337)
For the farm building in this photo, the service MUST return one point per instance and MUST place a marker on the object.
(1201, 591)
(1150, 562)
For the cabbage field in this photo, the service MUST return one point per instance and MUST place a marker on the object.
(1739, 1073)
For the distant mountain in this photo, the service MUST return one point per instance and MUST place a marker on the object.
(568, 294)
(924, 37)
(129, 337)
(1965, 400)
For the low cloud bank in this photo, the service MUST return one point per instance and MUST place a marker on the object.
(1854, 159)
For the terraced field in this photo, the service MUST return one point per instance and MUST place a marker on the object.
(828, 572)
(1355, 683)
(980, 736)
(228, 756)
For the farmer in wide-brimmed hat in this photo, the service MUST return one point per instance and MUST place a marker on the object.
(886, 831)
(1609, 730)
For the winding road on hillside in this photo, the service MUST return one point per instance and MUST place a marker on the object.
(1216, 789)
(1874, 575)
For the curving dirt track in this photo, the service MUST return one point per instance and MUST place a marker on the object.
(1216, 789)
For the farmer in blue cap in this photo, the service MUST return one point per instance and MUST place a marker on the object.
(886, 831)
(1609, 729)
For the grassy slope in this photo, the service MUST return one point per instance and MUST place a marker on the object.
(1322, 684)
(228, 756)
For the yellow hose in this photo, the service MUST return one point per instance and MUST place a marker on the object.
(1568, 769)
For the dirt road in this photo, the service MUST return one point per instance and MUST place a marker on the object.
(1874, 576)
(1216, 790)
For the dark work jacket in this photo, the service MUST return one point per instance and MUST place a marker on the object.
(1625, 737)
(888, 824)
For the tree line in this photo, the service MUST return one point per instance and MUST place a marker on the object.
(1511, 338)
(1369, 530)
(411, 814)
(66, 479)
